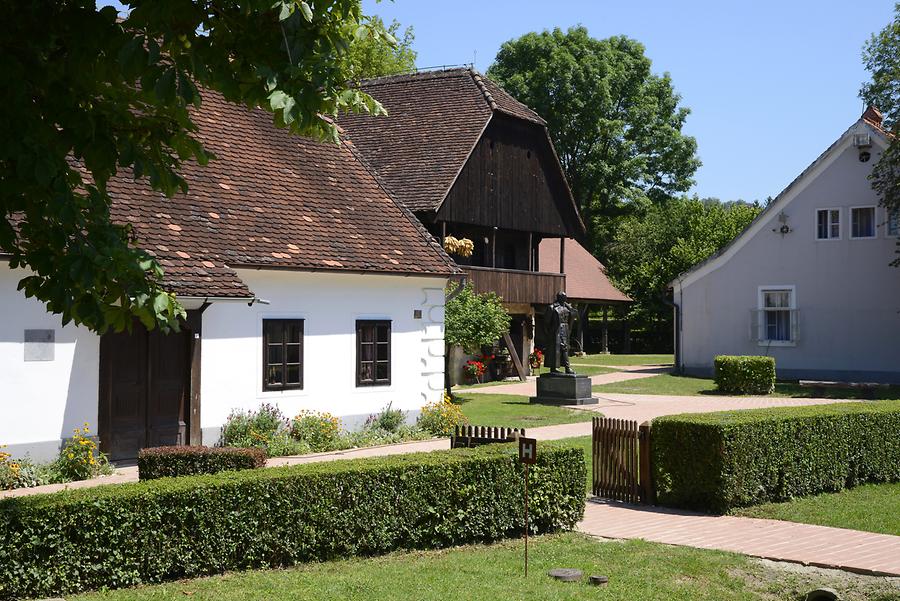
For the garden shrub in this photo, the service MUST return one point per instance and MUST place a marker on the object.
(116, 536)
(718, 461)
(80, 458)
(161, 462)
(745, 374)
(321, 431)
(441, 417)
(389, 420)
(266, 428)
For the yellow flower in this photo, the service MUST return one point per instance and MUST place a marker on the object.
(71, 455)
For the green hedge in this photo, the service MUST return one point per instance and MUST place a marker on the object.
(717, 461)
(162, 462)
(116, 536)
(745, 374)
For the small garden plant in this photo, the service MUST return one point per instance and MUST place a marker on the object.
(79, 459)
(314, 431)
(441, 417)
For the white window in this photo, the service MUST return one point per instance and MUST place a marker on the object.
(893, 222)
(776, 319)
(862, 222)
(828, 224)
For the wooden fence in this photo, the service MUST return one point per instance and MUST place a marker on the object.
(474, 436)
(621, 460)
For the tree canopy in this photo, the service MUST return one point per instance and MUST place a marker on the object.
(382, 51)
(616, 125)
(881, 57)
(474, 320)
(88, 92)
(651, 249)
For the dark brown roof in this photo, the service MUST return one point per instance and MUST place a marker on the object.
(272, 199)
(434, 120)
(585, 276)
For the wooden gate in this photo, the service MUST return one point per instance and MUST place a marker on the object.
(621, 460)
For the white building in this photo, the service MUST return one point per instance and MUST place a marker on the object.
(809, 282)
(306, 286)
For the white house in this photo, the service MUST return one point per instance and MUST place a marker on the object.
(307, 286)
(809, 282)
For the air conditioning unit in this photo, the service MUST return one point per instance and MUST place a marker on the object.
(862, 140)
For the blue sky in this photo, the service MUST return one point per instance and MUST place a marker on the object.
(770, 83)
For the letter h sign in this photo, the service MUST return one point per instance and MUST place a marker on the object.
(527, 450)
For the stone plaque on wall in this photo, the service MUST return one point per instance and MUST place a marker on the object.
(39, 345)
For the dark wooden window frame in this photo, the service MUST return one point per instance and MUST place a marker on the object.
(285, 323)
(374, 324)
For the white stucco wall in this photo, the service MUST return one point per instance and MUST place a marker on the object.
(847, 294)
(330, 304)
(43, 401)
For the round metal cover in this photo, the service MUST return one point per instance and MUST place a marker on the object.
(566, 574)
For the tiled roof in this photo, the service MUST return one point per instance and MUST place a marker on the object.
(434, 120)
(271, 199)
(585, 276)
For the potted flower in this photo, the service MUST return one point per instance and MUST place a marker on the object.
(474, 369)
(536, 359)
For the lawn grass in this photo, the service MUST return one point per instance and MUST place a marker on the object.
(619, 360)
(670, 384)
(589, 370)
(871, 507)
(515, 411)
(637, 570)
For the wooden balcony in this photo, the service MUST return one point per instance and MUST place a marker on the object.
(531, 287)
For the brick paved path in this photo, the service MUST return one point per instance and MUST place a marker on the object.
(821, 546)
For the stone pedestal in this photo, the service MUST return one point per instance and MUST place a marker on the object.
(563, 389)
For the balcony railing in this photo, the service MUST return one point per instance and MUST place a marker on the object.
(514, 286)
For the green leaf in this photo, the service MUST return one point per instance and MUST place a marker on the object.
(306, 10)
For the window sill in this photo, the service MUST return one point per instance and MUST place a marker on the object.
(776, 343)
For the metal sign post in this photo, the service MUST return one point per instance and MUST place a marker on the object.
(527, 456)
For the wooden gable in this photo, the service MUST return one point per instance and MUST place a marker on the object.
(512, 180)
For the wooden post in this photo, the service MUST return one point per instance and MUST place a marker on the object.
(530, 252)
(514, 355)
(604, 350)
(443, 232)
(562, 255)
(494, 248)
(646, 465)
(526, 520)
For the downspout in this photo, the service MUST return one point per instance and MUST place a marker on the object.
(676, 308)
(453, 294)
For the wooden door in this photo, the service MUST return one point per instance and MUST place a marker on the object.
(144, 379)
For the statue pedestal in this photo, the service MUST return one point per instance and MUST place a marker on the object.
(563, 389)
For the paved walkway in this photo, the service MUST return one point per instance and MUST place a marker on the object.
(624, 406)
(821, 546)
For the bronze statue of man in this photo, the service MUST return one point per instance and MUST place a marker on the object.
(558, 322)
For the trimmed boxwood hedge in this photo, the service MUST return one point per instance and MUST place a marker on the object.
(744, 374)
(116, 536)
(162, 462)
(717, 461)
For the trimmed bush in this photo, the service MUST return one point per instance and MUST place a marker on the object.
(717, 461)
(117, 536)
(745, 374)
(162, 462)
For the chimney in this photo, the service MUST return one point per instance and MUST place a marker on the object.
(873, 115)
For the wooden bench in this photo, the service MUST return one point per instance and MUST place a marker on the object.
(475, 436)
(867, 389)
